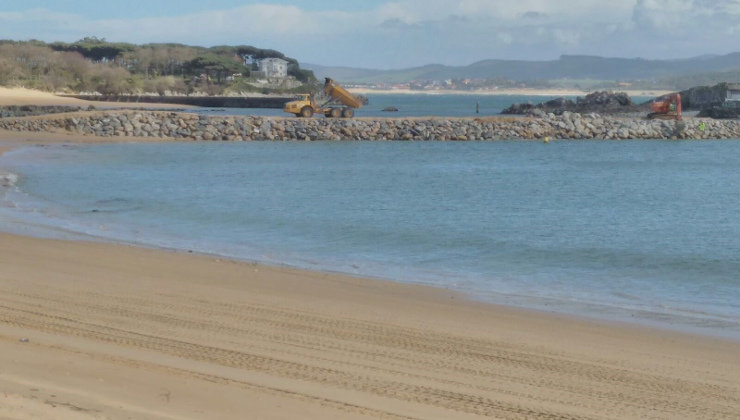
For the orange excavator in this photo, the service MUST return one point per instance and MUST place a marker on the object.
(666, 107)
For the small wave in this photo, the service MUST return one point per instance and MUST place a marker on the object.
(114, 205)
(113, 210)
(8, 179)
(112, 201)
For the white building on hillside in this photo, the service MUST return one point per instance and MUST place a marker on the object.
(733, 92)
(273, 67)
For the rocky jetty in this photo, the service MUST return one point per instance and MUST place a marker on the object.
(603, 102)
(721, 112)
(704, 97)
(31, 110)
(183, 126)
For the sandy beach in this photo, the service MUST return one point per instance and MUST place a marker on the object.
(23, 96)
(94, 330)
(104, 331)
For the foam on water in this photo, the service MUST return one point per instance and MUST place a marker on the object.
(639, 231)
(8, 180)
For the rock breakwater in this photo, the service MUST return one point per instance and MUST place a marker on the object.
(183, 126)
(603, 102)
(30, 110)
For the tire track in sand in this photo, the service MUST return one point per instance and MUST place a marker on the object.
(352, 342)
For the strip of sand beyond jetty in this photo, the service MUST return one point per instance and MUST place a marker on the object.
(93, 330)
(23, 96)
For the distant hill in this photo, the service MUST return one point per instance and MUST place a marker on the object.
(567, 66)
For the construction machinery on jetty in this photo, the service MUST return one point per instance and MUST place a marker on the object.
(341, 103)
(666, 107)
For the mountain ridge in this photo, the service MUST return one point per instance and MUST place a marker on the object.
(565, 67)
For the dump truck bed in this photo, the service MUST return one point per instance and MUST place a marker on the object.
(341, 94)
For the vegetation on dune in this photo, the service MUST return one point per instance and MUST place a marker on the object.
(112, 68)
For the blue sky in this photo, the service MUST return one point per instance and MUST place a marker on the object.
(395, 33)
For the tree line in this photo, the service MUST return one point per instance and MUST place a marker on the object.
(113, 68)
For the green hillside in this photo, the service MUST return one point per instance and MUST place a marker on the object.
(95, 65)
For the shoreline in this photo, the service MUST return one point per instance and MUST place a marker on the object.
(608, 313)
(251, 333)
(133, 322)
(98, 329)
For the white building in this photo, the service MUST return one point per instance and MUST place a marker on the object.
(273, 67)
(733, 93)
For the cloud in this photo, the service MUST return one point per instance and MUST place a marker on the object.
(662, 15)
(689, 24)
(403, 33)
(533, 15)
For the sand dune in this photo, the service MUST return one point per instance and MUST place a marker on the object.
(116, 331)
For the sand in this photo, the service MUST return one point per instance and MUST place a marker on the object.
(94, 330)
(23, 96)
(117, 331)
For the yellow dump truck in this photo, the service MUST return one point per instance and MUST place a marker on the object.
(341, 103)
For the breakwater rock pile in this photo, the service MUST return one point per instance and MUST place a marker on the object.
(183, 126)
(30, 110)
(603, 102)
(721, 112)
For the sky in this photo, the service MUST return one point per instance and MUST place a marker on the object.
(384, 34)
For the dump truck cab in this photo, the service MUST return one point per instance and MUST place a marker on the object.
(303, 106)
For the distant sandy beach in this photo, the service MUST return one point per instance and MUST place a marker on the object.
(94, 330)
(509, 92)
(23, 96)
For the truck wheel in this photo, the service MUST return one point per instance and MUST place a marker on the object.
(335, 113)
(307, 112)
(348, 113)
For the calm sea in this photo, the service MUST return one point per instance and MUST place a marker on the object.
(645, 231)
(417, 105)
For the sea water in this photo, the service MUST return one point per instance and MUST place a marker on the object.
(646, 231)
(419, 105)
